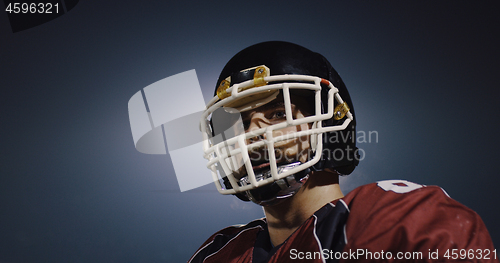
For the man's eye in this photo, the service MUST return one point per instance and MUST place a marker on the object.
(279, 114)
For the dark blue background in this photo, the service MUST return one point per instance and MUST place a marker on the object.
(423, 74)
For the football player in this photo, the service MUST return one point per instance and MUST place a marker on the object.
(279, 132)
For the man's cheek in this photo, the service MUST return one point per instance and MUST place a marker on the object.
(304, 143)
(291, 153)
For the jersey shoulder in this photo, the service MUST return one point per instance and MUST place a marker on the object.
(386, 192)
(400, 216)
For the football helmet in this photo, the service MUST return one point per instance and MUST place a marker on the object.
(253, 164)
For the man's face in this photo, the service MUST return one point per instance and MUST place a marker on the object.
(287, 151)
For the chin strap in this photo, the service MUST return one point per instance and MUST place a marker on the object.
(277, 191)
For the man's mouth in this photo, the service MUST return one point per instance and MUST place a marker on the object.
(262, 171)
(260, 167)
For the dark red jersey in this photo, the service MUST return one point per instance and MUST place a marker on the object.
(388, 221)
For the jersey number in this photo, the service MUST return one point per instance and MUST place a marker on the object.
(398, 186)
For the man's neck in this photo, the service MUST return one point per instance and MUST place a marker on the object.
(283, 219)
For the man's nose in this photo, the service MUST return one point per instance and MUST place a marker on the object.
(257, 122)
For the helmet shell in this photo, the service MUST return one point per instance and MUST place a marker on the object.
(284, 58)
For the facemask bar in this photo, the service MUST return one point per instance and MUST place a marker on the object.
(221, 153)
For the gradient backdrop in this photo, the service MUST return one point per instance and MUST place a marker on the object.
(423, 74)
